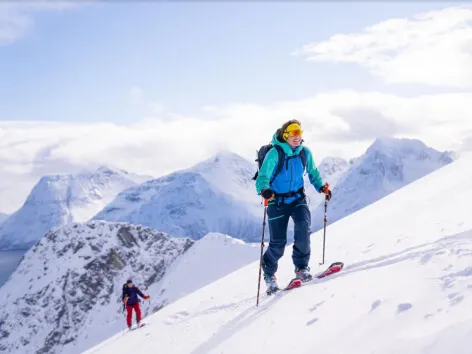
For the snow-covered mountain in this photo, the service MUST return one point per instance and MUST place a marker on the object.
(3, 217)
(216, 195)
(65, 295)
(387, 165)
(405, 287)
(61, 199)
(331, 170)
(67, 288)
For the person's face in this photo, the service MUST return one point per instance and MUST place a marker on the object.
(130, 285)
(294, 138)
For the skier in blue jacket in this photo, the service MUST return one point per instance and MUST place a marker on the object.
(287, 199)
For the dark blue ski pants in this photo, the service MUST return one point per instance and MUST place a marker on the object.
(279, 215)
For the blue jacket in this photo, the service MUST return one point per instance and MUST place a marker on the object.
(132, 294)
(290, 179)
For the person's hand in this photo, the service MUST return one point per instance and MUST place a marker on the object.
(326, 191)
(125, 300)
(147, 297)
(268, 194)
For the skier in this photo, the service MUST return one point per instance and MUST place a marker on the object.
(286, 198)
(131, 301)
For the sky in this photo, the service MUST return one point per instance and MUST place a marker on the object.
(152, 87)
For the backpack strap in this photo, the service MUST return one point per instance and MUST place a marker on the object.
(303, 157)
(280, 163)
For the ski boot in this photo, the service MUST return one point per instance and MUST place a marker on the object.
(303, 274)
(271, 282)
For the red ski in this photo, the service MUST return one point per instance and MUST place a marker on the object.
(333, 268)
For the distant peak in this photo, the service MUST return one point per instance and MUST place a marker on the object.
(222, 158)
(225, 154)
(389, 143)
(220, 237)
(106, 170)
(53, 178)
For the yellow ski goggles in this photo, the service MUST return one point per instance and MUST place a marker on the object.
(292, 130)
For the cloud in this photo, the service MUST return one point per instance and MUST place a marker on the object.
(466, 143)
(17, 18)
(338, 123)
(366, 123)
(433, 48)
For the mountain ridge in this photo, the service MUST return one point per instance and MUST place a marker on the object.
(387, 165)
(61, 199)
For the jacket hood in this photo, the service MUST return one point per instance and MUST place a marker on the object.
(287, 148)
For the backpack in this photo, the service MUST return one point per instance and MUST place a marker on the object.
(264, 149)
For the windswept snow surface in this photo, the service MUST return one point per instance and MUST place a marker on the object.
(406, 287)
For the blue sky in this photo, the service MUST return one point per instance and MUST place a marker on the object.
(79, 65)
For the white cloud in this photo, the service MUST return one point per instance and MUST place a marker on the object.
(17, 18)
(339, 123)
(433, 48)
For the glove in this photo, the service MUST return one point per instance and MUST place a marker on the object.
(147, 297)
(268, 194)
(125, 300)
(325, 190)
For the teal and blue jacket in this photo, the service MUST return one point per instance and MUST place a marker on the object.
(290, 178)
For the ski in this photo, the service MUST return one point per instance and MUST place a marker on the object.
(137, 327)
(296, 283)
(333, 268)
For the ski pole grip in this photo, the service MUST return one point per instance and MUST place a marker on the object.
(266, 202)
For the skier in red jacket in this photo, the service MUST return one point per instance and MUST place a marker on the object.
(131, 301)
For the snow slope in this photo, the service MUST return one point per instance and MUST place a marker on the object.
(387, 165)
(406, 287)
(210, 258)
(60, 199)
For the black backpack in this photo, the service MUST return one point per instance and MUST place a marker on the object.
(264, 149)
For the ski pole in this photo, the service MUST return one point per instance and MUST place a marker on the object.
(266, 202)
(325, 221)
